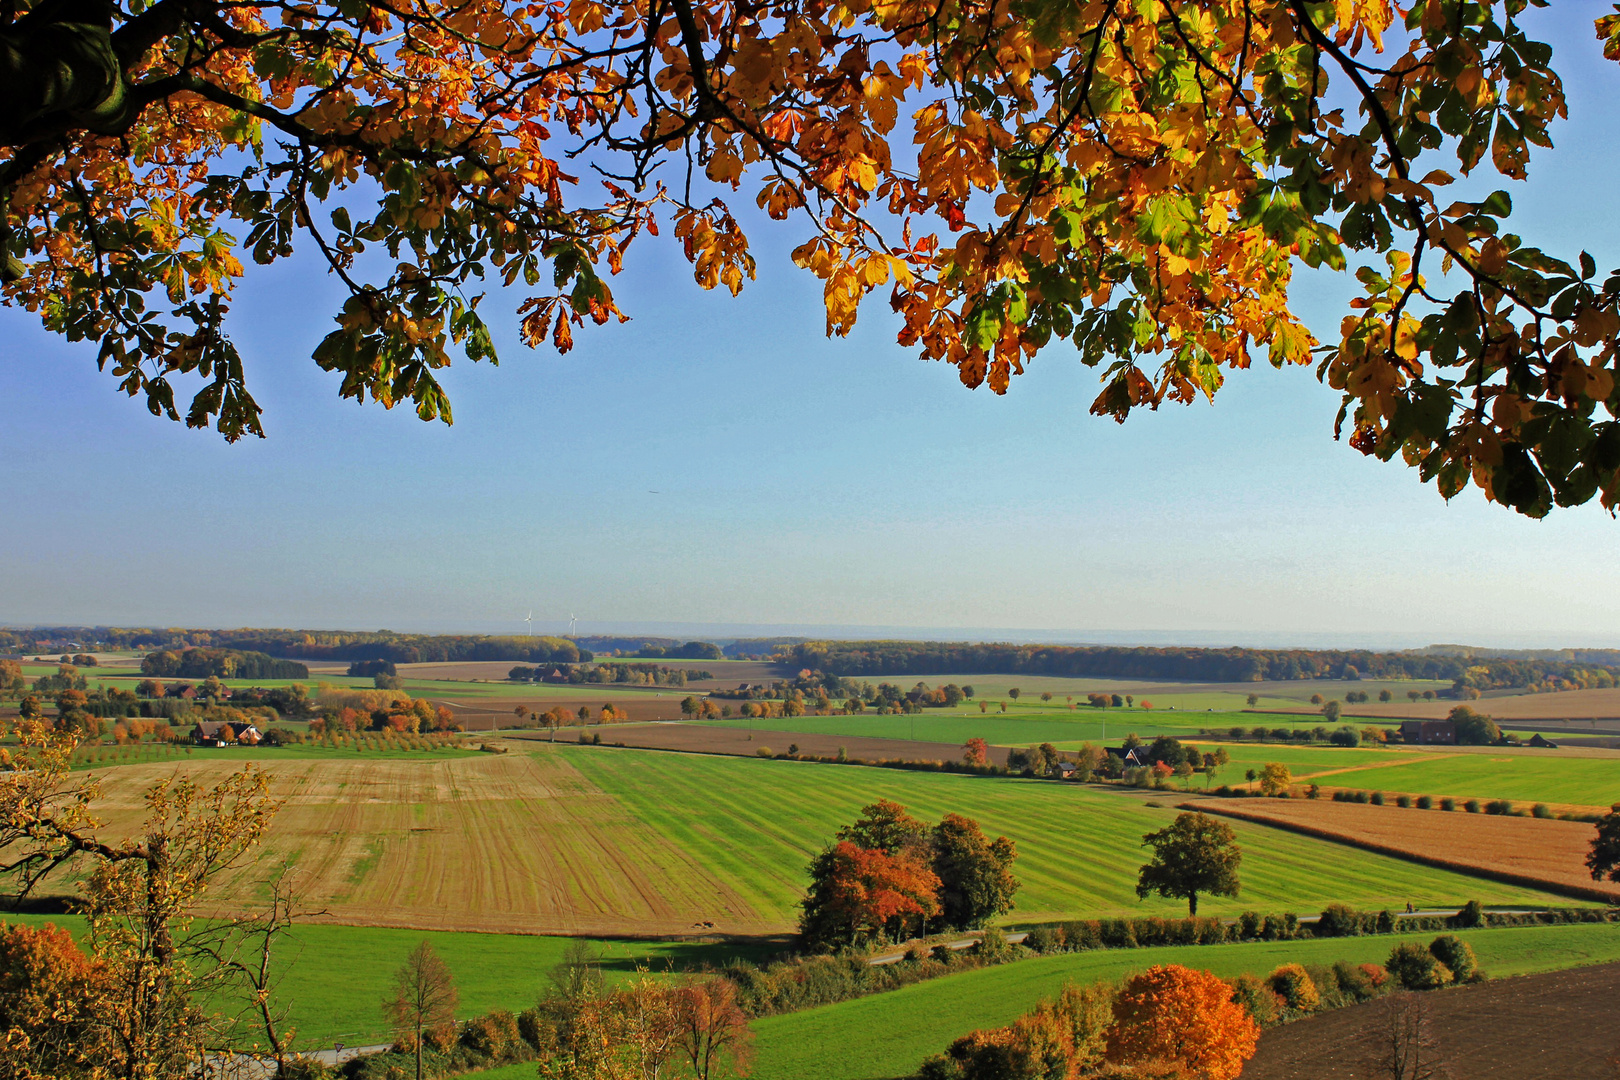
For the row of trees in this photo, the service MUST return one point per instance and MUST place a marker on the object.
(689, 1029)
(888, 876)
(200, 663)
(872, 658)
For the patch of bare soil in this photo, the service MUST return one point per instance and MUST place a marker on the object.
(1537, 852)
(1556, 1026)
(745, 742)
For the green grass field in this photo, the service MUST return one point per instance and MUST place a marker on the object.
(335, 977)
(888, 1035)
(755, 824)
(1521, 775)
(1023, 726)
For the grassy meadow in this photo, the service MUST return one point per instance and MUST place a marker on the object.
(888, 1035)
(1521, 775)
(335, 977)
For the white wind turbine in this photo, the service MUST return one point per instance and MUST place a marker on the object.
(573, 625)
(528, 621)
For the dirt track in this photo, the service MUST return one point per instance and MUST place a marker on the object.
(1556, 1026)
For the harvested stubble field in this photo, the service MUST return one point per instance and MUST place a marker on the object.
(1527, 851)
(1554, 1026)
(602, 841)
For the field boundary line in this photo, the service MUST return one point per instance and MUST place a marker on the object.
(1505, 877)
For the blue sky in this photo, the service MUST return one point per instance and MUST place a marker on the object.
(799, 481)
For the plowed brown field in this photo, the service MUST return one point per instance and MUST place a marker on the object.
(1524, 851)
(509, 843)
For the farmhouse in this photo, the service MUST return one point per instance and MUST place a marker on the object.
(1429, 732)
(1538, 739)
(222, 732)
(1130, 755)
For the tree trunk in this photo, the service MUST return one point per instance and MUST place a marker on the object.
(419, 1051)
(1192, 905)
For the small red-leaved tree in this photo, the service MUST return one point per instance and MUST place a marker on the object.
(1173, 1016)
(975, 752)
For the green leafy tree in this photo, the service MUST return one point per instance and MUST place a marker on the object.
(976, 881)
(1193, 855)
(1604, 858)
(1474, 729)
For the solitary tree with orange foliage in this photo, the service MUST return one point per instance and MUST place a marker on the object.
(1175, 1016)
(976, 752)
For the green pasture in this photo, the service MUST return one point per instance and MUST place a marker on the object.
(1023, 726)
(889, 1035)
(1516, 773)
(334, 978)
(754, 826)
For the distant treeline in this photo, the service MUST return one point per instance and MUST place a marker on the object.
(222, 663)
(868, 658)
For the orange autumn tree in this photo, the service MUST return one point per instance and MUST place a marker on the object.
(1142, 179)
(1176, 1017)
(857, 894)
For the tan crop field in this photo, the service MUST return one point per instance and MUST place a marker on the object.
(511, 842)
(1524, 851)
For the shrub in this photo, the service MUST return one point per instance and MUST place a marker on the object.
(494, 1036)
(1042, 939)
(1249, 924)
(532, 1027)
(1499, 807)
(1540, 810)
(1257, 998)
(1354, 981)
(992, 944)
(1293, 985)
(1183, 1020)
(1404, 802)
(1386, 922)
(1471, 915)
(1416, 968)
(764, 751)
(1338, 920)
(1472, 806)
(1456, 954)
(1425, 803)
(1448, 804)
(305, 1068)
(1376, 798)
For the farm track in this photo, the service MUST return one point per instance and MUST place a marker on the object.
(1531, 852)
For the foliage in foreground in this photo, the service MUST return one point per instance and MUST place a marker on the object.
(1139, 179)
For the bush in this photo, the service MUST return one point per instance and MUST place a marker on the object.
(1425, 803)
(1293, 985)
(1355, 981)
(1404, 802)
(303, 1068)
(992, 944)
(532, 1027)
(1386, 922)
(1249, 925)
(1376, 798)
(1499, 807)
(764, 751)
(1338, 920)
(1041, 939)
(1256, 997)
(1540, 810)
(1471, 915)
(1448, 804)
(494, 1037)
(1456, 954)
(1416, 968)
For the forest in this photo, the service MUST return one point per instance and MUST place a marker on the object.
(868, 658)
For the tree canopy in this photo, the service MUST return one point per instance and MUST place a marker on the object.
(1193, 854)
(1141, 179)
